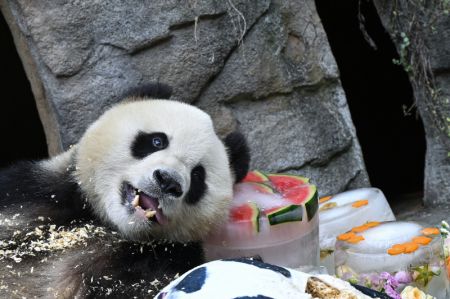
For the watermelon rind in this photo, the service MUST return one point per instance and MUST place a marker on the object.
(301, 194)
(312, 204)
(285, 214)
(255, 176)
(263, 188)
(241, 214)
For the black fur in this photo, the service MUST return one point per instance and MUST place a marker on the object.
(239, 155)
(167, 183)
(131, 268)
(144, 144)
(198, 185)
(150, 90)
(29, 190)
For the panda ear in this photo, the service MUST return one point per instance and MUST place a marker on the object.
(150, 90)
(239, 155)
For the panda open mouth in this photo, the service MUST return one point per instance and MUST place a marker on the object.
(144, 205)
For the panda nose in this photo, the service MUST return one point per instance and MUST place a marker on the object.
(167, 183)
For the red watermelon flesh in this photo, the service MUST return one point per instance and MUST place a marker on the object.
(261, 188)
(300, 194)
(247, 213)
(256, 177)
(284, 182)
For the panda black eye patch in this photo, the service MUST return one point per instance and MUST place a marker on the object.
(147, 143)
(198, 185)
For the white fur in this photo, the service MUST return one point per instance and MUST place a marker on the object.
(103, 161)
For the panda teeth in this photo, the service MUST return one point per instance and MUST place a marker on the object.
(135, 201)
(150, 213)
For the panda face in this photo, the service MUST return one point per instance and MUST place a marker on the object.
(155, 168)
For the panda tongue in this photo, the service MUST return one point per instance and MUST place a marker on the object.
(146, 202)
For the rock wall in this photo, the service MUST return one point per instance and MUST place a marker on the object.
(264, 67)
(421, 32)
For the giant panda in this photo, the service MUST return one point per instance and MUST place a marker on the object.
(149, 169)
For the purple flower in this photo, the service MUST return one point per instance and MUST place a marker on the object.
(390, 280)
(403, 277)
(391, 283)
(375, 280)
(391, 292)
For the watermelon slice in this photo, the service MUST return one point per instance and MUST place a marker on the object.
(256, 177)
(262, 188)
(248, 213)
(285, 214)
(304, 195)
(283, 182)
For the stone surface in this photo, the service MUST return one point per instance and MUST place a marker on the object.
(428, 29)
(412, 208)
(264, 67)
(282, 85)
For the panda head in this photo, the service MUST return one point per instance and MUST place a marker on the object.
(156, 168)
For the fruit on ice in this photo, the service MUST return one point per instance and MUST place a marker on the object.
(248, 214)
(287, 232)
(285, 214)
(341, 212)
(306, 195)
(392, 249)
(262, 188)
(256, 177)
(283, 182)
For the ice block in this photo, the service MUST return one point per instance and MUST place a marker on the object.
(339, 213)
(273, 216)
(392, 255)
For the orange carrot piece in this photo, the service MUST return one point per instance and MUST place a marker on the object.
(411, 247)
(359, 229)
(360, 203)
(346, 236)
(421, 240)
(324, 199)
(430, 231)
(372, 223)
(355, 239)
(395, 250)
(402, 246)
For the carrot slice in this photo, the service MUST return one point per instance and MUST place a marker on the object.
(411, 247)
(372, 223)
(355, 239)
(324, 199)
(430, 231)
(359, 229)
(346, 236)
(360, 203)
(422, 240)
(402, 246)
(395, 250)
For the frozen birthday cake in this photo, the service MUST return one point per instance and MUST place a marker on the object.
(392, 255)
(273, 216)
